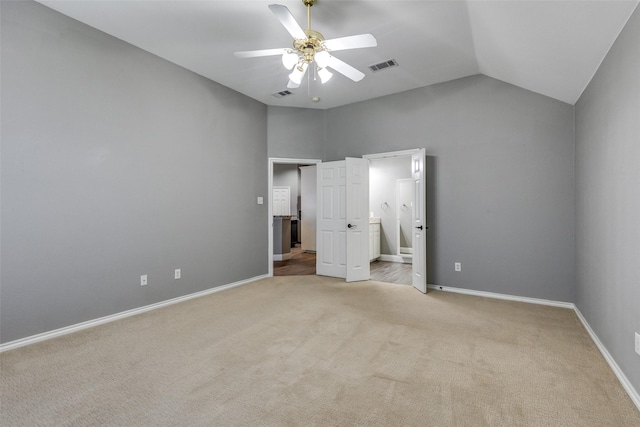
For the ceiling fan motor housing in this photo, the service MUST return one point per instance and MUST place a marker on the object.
(309, 46)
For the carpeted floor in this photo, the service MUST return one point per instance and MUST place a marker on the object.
(317, 351)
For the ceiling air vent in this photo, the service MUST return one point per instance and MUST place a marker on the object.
(282, 94)
(383, 65)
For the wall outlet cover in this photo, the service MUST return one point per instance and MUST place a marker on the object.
(458, 266)
(177, 273)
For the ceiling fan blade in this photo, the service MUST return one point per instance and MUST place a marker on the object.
(258, 53)
(351, 42)
(346, 69)
(286, 18)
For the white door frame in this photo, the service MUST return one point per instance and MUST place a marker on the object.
(393, 154)
(399, 154)
(272, 161)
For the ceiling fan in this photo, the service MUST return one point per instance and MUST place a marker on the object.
(310, 46)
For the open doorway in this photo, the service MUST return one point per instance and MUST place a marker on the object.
(343, 223)
(292, 210)
(393, 208)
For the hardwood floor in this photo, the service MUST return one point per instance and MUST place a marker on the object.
(391, 272)
(300, 264)
(303, 263)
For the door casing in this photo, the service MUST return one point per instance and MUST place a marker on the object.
(410, 153)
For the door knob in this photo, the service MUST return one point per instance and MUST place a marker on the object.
(352, 226)
(419, 228)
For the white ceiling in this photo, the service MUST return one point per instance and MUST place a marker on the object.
(549, 47)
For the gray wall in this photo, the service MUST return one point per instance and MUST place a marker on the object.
(500, 179)
(116, 163)
(295, 133)
(608, 200)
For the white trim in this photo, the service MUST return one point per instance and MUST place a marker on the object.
(113, 317)
(272, 161)
(503, 296)
(392, 154)
(390, 258)
(626, 384)
(282, 257)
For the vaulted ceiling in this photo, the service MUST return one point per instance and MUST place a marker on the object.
(549, 47)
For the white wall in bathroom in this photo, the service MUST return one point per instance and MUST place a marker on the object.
(383, 199)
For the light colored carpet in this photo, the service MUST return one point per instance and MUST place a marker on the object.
(317, 351)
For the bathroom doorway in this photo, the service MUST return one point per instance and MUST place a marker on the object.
(397, 210)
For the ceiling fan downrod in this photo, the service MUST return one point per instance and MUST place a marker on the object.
(309, 3)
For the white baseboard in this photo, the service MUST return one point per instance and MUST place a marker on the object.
(626, 384)
(503, 296)
(632, 392)
(282, 257)
(113, 317)
(390, 258)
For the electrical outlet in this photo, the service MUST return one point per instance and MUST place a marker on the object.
(638, 343)
(458, 266)
(143, 280)
(177, 274)
(260, 200)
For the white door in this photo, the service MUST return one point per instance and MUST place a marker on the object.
(342, 222)
(357, 219)
(281, 204)
(419, 218)
(331, 220)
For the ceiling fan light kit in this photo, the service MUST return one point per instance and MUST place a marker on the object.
(298, 73)
(289, 60)
(325, 75)
(310, 46)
